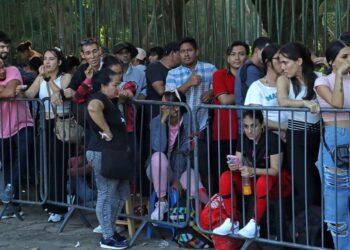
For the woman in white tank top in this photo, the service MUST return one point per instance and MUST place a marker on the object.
(295, 90)
(51, 80)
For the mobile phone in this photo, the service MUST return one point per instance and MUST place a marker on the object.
(23, 87)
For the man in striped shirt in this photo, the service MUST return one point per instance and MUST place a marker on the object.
(194, 78)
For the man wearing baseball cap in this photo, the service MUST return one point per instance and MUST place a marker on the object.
(139, 61)
(125, 52)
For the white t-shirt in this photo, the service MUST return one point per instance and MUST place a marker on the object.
(262, 95)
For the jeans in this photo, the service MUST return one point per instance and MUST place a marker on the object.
(111, 195)
(15, 155)
(79, 185)
(336, 188)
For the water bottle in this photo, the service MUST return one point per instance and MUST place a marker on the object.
(247, 189)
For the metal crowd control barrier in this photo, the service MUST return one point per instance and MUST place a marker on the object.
(72, 188)
(282, 215)
(22, 162)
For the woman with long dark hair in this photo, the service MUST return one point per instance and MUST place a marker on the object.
(333, 91)
(51, 80)
(295, 89)
(263, 92)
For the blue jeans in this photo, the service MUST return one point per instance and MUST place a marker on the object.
(336, 187)
(15, 157)
(111, 195)
(79, 186)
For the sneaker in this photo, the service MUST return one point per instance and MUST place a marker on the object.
(10, 214)
(119, 237)
(112, 243)
(251, 230)
(117, 229)
(55, 217)
(160, 209)
(227, 228)
(7, 195)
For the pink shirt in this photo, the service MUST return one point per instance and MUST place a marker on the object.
(173, 131)
(329, 81)
(15, 114)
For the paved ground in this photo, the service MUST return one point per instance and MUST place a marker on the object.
(35, 233)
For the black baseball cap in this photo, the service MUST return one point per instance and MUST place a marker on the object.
(125, 45)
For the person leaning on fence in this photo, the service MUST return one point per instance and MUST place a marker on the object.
(263, 92)
(171, 147)
(267, 158)
(80, 87)
(16, 134)
(295, 89)
(194, 78)
(107, 130)
(225, 129)
(333, 91)
(50, 81)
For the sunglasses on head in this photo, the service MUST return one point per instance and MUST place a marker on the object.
(176, 94)
(87, 41)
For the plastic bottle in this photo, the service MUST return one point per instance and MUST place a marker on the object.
(247, 189)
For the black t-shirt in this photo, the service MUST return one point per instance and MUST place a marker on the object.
(78, 77)
(115, 122)
(263, 151)
(155, 72)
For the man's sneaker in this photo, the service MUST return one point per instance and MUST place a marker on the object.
(251, 230)
(160, 209)
(55, 217)
(10, 214)
(112, 243)
(7, 195)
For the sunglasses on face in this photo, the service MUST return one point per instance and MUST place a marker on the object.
(87, 41)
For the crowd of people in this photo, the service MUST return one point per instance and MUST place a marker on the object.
(267, 144)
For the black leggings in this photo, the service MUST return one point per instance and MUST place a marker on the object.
(296, 153)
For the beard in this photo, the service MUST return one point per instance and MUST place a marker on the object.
(4, 56)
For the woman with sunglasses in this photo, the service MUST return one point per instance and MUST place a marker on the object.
(263, 92)
(333, 91)
(171, 147)
(52, 80)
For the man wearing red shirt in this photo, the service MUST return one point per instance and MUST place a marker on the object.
(225, 125)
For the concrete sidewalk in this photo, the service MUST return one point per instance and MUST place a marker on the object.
(36, 233)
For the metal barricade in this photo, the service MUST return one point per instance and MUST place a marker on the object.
(280, 214)
(72, 187)
(22, 169)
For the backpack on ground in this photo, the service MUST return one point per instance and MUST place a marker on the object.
(189, 236)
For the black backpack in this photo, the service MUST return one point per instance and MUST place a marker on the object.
(243, 75)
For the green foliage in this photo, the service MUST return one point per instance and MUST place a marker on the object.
(146, 23)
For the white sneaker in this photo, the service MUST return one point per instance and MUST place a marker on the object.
(55, 217)
(251, 230)
(227, 228)
(224, 228)
(161, 208)
(117, 229)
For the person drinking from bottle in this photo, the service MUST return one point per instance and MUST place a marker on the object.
(259, 153)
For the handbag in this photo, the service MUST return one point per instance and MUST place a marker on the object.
(116, 164)
(339, 154)
(66, 128)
